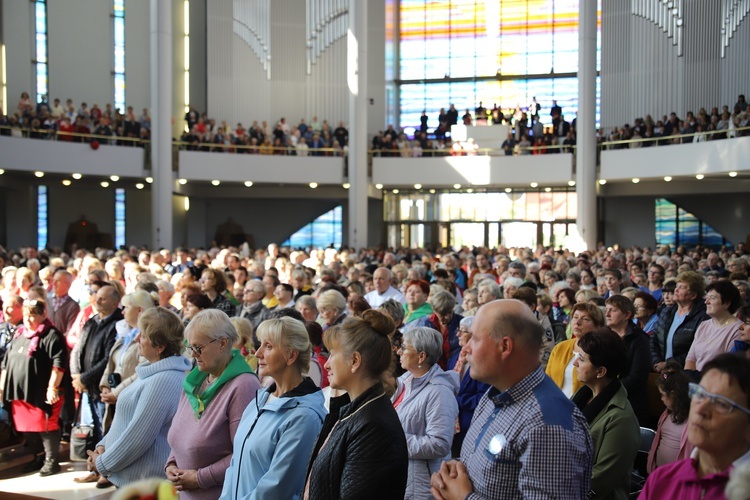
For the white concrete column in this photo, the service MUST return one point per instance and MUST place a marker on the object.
(586, 123)
(161, 128)
(356, 71)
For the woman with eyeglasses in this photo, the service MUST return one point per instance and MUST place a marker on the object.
(136, 445)
(215, 394)
(32, 372)
(716, 335)
(278, 429)
(600, 357)
(718, 427)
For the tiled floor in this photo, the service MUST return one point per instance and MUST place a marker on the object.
(56, 487)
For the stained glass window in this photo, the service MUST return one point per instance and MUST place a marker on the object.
(676, 226)
(324, 231)
(40, 39)
(42, 222)
(119, 217)
(119, 70)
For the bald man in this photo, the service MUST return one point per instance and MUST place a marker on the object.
(382, 278)
(527, 440)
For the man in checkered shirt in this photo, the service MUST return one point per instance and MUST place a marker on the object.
(526, 440)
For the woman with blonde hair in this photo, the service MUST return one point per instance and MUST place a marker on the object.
(277, 432)
(332, 308)
(244, 342)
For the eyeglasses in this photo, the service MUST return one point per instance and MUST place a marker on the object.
(198, 349)
(719, 403)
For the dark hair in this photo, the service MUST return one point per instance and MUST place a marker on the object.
(614, 272)
(668, 286)
(275, 279)
(623, 303)
(358, 305)
(289, 312)
(606, 349)
(728, 293)
(315, 332)
(287, 287)
(526, 295)
(220, 279)
(422, 284)
(674, 383)
(735, 366)
(744, 313)
(648, 300)
(200, 300)
(569, 293)
(368, 336)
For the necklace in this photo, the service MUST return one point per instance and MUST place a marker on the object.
(725, 323)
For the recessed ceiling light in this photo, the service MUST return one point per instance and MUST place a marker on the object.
(636, 180)
(469, 190)
(66, 182)
(395, 191)
(432, 191)
(700, 177)
(732, 174)
(150, 180)
(602, 182)
(547, 190)
(313, 185)
(457, 186)
(114, 178)
(667, 178)
(346, 185)
(139, 185)
(508, 190)
(215, 182)
(534, 184)
(39, 173)
(417, 186)
(378, 186)
(248, 183)
(105, 184)
(2, 171)
(182, 181)
(571, 183)
(76, 176)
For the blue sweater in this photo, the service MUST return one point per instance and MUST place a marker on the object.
(136, 446)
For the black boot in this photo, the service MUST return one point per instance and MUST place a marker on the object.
(34, 465)
(51, 443)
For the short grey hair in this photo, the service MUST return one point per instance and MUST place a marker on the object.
(332, 299)
(394, 309)
(516, 264)
(165, 286)
(513, 281)
(214, 324)
(493, 288)
(427, 340)
(442, 301)
(307, 301)
(257, 286)
(466, 322)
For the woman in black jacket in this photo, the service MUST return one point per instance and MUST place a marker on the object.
(361, 451)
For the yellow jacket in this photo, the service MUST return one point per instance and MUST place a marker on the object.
(558, 361)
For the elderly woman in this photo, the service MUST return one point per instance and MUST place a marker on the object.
(166, 292)
(584, 318)
(487, 291)
(645, 312)
(425, 401)
(332, 307)
(716, 335)
(469, 302)
(214, 284)
(677, 324)
(510, 285)
(307, 307)
(395, 310)
(469, 392)
(416, 306)
(300, 283)
(216, 393)
(742, 344)
(136, 445)
(361, 448)
(278, 429)
(717, 427)
(32, 371)
(446, 322)
(194, 304)
(599, 358)
(634, 373)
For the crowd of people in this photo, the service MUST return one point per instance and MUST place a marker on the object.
(389, 373)
(529, 134)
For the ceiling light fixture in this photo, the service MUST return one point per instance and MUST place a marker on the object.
(182, 181)
(248, 183)
(39, 174)
(602, 182)
(139, 185)
(313, 185)
(215, 182)
(700, 177)
(114, 178)
(667, 178)
(76, 176)
(636, 180)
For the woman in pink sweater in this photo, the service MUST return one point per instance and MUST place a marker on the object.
(216, 393)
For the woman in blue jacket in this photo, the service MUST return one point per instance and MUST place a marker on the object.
(278, 429)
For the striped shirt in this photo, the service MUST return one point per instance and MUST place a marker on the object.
(528, 442)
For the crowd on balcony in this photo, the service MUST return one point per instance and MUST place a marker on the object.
(384, 369)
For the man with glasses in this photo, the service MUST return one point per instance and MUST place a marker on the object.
(718, 428)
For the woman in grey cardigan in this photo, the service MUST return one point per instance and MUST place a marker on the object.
(136, 446)
(425, 402)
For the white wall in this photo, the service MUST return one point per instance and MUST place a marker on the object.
(18, 35)
(643, 74)
(137, 55)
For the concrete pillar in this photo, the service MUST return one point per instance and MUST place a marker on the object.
(161, 128)
(586, 124)
(357, 83)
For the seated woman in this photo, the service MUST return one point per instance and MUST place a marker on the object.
(584, 318)
(332, 307)
(670, 443)
(425, 401)
(718, 428)
(278, 429)
(361, 448)
(216, 393)
(214, 284)
(634, 374)
(446, 322)
(566, 297)
(416, 306)
(136, 445)
(717, 334)
(645, 312)
(742, 344)
(600, 357)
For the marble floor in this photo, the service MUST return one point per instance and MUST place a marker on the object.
(16, 485)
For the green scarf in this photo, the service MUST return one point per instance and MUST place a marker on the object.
(194, 380)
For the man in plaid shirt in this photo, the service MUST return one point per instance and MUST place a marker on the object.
(526, 440)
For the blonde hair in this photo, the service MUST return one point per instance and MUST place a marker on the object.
(140, 299)
(162, 327)
(244, 330)
(331, 299)
(289, 334)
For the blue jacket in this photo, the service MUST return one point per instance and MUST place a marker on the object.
(469, 394)
(273, 444)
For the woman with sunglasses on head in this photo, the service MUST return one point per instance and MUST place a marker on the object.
(215, 394)
(719, 429)
(32, 372)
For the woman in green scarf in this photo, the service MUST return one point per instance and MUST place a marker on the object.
(216, 392)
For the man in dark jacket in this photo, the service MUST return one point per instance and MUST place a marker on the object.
(90, 355)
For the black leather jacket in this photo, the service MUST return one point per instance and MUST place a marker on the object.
(365, 456)
(683, 337)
